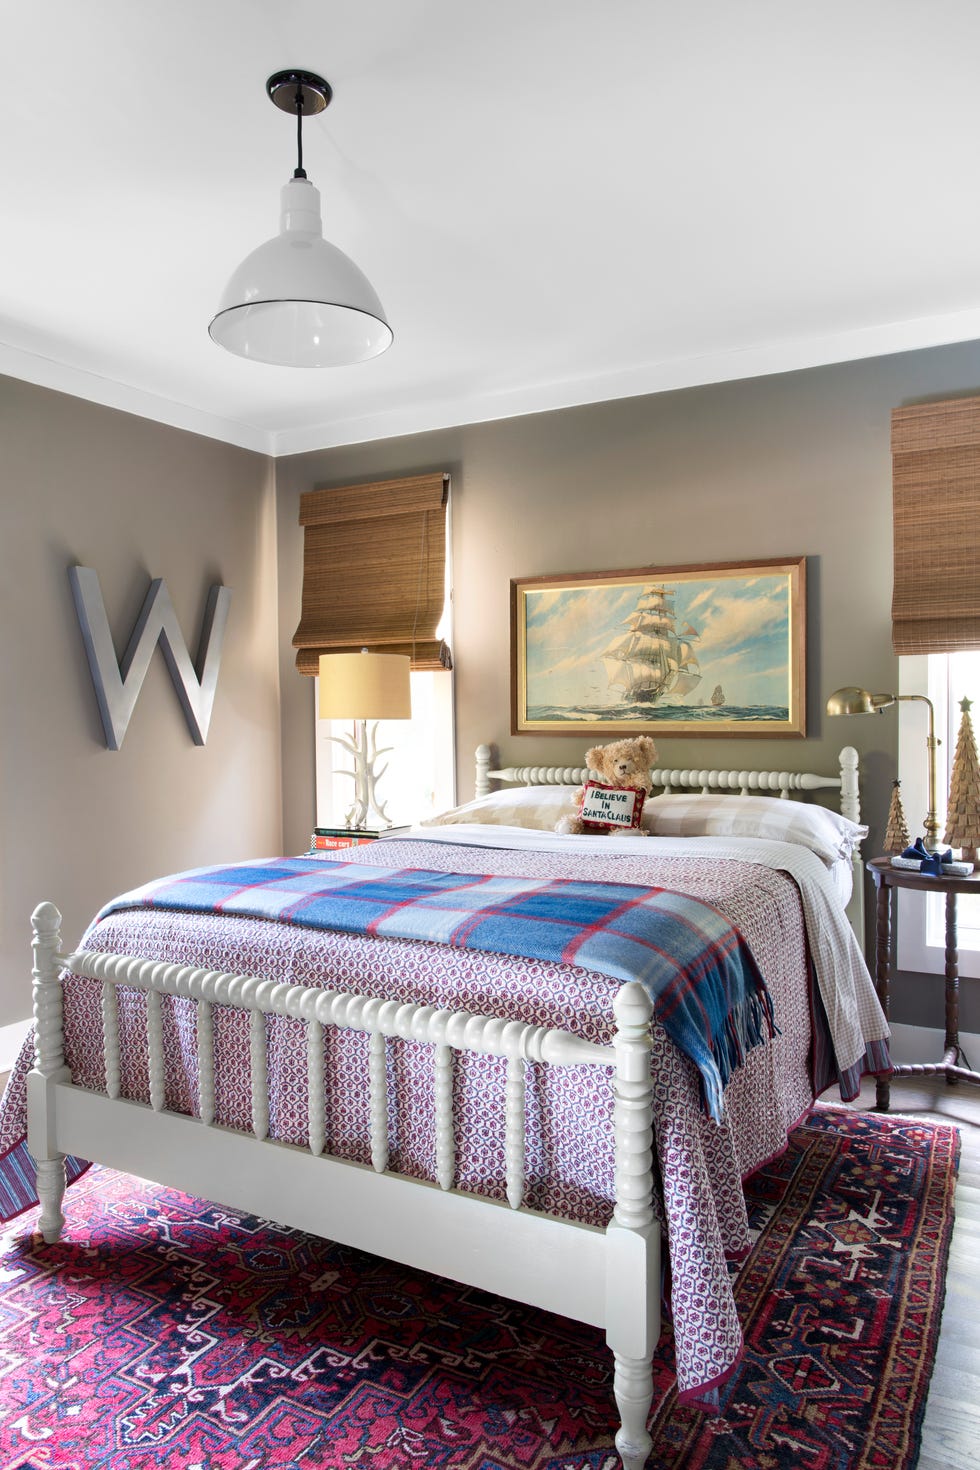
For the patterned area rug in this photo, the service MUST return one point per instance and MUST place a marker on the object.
(172, 1334)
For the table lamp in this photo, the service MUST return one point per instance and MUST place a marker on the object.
(853, 701)
(361, 687)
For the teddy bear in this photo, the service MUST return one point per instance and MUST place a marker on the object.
(624, 766)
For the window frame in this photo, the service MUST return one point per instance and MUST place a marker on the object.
(921, 924)
(419, 779)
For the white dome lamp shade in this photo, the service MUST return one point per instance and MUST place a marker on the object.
(298, 301)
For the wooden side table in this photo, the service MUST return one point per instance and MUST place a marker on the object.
(887, 880)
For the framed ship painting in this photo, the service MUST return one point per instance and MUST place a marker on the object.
(691, 650)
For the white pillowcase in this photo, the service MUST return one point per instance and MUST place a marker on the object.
(516, 806)
(824, 832)
(676, 814)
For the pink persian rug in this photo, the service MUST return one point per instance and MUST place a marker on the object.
(165, 1333)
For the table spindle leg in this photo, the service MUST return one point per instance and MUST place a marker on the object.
(951, 1043)
(883, 952)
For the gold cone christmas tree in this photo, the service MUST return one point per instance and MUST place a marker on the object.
(963, 810)
(897, 837)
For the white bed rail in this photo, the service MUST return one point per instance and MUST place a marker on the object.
(619, 1284)
(445, 1031)
(692, 779)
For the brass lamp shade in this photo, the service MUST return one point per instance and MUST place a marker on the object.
(365, 686)
(854, 701)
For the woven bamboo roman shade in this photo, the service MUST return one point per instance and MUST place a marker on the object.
(374, 571)
(936, 504)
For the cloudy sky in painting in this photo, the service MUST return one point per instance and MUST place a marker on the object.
(743, 624)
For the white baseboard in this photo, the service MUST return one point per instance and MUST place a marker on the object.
(925, 1044)
(11, 1041)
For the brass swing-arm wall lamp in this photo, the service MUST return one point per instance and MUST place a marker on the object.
(853, 701)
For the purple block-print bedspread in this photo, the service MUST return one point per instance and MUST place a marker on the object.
(701, 976)
(569, 1144)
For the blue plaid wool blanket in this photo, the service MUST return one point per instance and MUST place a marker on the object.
(704, 983)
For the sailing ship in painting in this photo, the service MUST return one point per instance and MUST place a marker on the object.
(650, 665)
(653, 659)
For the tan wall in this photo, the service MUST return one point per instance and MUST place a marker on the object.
(795, 464)
(787, 465)
(133, 500)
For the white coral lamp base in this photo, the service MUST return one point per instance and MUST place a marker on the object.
(363, 748)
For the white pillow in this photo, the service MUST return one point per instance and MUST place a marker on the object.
(824, 832)
(516, 806)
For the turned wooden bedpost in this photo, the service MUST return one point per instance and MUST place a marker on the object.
(49, 1069)
(484, 755)
(633, 1237)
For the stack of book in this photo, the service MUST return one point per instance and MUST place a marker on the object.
(326, 838)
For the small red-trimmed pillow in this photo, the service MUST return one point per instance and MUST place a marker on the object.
(611, 808)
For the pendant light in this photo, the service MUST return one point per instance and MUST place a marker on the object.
(297, 300)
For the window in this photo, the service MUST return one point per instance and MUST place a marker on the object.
(946, 678)
(936, 633)
(377, 574)
(419, 771)
(376, 571)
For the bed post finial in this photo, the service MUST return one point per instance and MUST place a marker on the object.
(850, 799)
(49, 1056)
(49, 1069)
(484, 755)
(850, 807)
(633, 1238)
(632, 1112)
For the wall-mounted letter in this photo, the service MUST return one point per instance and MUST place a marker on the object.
(117, 685)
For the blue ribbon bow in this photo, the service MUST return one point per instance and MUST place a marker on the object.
(930, 863)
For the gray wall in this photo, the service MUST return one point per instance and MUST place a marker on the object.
(794, 464)
(134, 500)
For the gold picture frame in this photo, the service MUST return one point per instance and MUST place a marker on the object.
(715, 649)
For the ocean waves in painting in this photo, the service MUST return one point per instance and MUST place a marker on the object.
(652, 714)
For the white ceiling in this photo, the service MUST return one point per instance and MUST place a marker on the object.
(558, 201)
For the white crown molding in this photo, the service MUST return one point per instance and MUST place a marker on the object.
(30, 367)
(761, 360)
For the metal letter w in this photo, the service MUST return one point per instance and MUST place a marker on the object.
(117, 686)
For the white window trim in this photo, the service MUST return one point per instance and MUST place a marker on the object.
(920, 923)
(424, 786)
(419, 777)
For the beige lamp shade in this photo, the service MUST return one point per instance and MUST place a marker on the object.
(365, 686)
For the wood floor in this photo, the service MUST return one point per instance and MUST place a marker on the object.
(951, 1431)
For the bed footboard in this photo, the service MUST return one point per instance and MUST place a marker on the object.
(610, 1278)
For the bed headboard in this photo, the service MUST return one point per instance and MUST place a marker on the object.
(789, 784)
(783, 783)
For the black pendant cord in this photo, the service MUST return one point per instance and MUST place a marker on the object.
(300, 171)
(299, 92)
